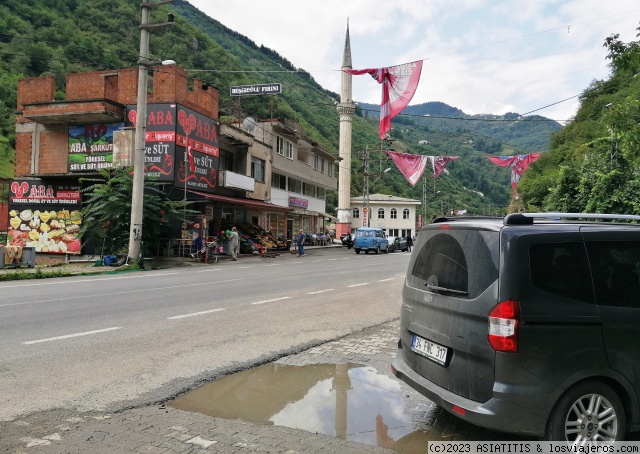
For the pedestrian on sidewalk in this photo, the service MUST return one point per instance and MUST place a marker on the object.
(234, 243)
(409, 242)
(300, 242)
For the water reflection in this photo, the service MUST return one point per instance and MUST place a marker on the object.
(346, 401)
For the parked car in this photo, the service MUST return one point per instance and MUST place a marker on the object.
(397, 243)
(345, 236)
(370, 239)
(527, 324)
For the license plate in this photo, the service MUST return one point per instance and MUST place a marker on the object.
(431, 350)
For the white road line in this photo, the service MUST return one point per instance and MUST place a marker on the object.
(321, 291)
(211, 269)
(245, 267)
(273, 264)
(69, 336)
(271, 301)
(175, 317)
(386, 280)
(296, 262)
(358, 285)
(145, 275)
(345, 258)
(331, 260)
(314, 261)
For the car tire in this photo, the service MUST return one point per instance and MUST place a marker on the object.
(357, 251)
(366, 251)
(574, 407)
(404, 250)
(377, 250)
(386, 250)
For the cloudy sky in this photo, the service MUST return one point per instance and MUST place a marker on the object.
(481, 56)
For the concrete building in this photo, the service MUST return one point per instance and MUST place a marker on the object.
(395, 215)
(301, 174)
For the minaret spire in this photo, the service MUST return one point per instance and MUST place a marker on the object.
(346, 109)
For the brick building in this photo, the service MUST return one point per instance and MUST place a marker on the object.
(227, 175)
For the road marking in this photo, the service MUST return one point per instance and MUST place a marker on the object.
(331, 260)
(345, 258)
(175, 317)
(212, 269)
(358, 285)
(273, 264)
(386, 280)
(88, 280)
(69, 336)
(296, 262)
(320, 291)
(271, 301)
(245, 267)
(314, 261)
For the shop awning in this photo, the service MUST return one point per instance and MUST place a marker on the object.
(244, 202)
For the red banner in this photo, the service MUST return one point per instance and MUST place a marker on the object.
(399, 84)
(410, 165)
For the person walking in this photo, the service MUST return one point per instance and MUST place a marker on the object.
(300, 242)
(409, 242)
(234, 243)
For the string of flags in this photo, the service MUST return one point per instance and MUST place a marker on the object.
(412, 166)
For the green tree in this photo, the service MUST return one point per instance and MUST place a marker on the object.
(107, 211)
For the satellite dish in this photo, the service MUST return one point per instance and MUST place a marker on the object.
(249, 124)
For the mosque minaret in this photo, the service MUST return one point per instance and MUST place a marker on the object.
(346, 109)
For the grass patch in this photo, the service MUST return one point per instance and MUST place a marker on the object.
(19, 275)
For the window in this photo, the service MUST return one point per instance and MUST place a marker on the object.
(356, 213)
(615, 272)
(330, 169)
(278, 181)
(295, 186)
(226, 160)
(257, 169)
(309, 189)
(280, 145)
(393, 214)
(320, 193)
(561, 269)
(405, 213)
(380, 213)
(288, 148)
(393, 232)
(322, 165)
(459, 263)
(316, 162)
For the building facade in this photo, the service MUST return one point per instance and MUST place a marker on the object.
(225, 170)
(395, 215)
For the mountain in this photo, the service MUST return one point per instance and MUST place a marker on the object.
(58, 37)
(530, 133)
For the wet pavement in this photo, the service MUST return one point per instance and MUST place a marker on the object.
(339, 397)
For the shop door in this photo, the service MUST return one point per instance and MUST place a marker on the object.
(290, 229)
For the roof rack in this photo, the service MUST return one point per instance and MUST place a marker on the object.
(527, 218)
(462, 218)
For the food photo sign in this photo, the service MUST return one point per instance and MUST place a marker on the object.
(91, 146)
(45, 216)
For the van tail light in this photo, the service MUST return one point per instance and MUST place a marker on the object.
(503, 326)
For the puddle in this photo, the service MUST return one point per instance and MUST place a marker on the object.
(346, 401)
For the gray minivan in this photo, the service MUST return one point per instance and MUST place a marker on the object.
(528, 324)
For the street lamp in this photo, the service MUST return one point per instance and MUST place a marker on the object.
(137, 193)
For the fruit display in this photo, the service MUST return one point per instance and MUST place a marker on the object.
(266, 239)
(47, 231)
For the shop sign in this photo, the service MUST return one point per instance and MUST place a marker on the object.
(91, 147)
(123, 148)
(257, 89)
(160, 139)
(298, 202)
(45, 216)
(365, 217)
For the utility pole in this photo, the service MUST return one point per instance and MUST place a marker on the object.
(137, 194)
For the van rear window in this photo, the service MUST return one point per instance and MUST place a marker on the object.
(461, 263)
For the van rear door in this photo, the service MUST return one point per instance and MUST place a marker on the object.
(451, 285)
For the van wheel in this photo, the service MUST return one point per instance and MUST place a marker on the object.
(386, 251)
(377, 251)
(589, 411)
(366, 251)
(357, 251)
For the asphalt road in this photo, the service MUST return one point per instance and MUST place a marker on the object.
(116, 341)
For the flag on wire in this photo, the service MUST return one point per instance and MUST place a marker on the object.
(410, 165)
(518, 165)
(399, 84)
(439, 163)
